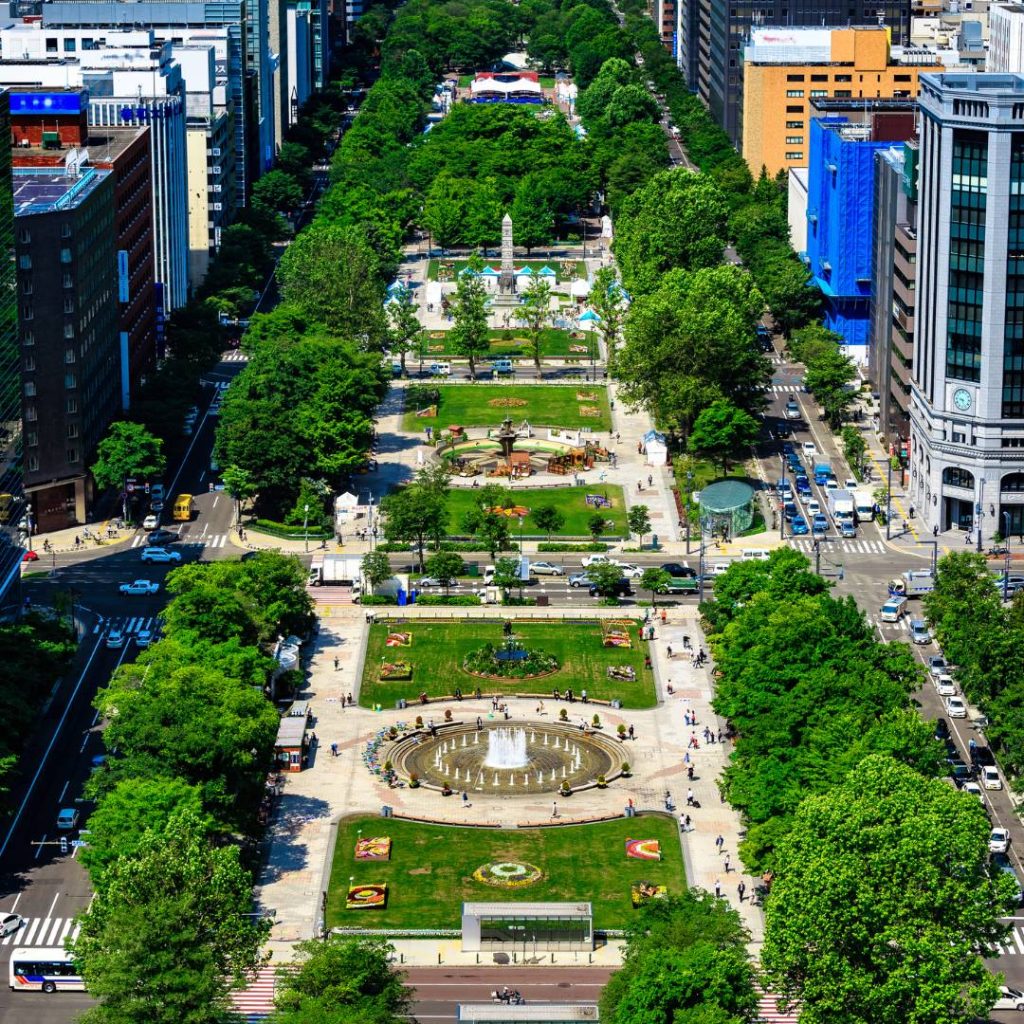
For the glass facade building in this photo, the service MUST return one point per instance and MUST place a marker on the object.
(525, 927)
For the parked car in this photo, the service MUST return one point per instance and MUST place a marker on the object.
(982, 756)
(974, 790)
(622, 588)
(678, 571)
(990, 777)
(1009, 999)
(433, 581)
(1002, 862)
(960, 772)
(956, 707)
(150, 522)
(945, 686)
(139, 587)
(941, 729)
(67, 818)
(594, 560)
(546, 569)
(144, 638)
(160, 555)
(115, 639)
(919, 632)
(799, 526)
(999, 840)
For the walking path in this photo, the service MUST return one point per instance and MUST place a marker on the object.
(303, 828)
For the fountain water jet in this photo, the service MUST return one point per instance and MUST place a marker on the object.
(506, 748)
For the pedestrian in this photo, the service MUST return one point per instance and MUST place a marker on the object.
(720, 842)
(640, 485)
(465, 799)
(741, 890)
(554, 809)
(350, 700)
(694, 742)
(686, 716)
(935, 530)
(337, 664)
(719, 735)
(718, 887)
(727, 863)
(689, 798)
(334, 750)
(668, 650)
(650, 480)
(686, 823)
(707, 734)
(689, 771)
(618, 437)
(479, 723)
(630, 731)
(967, 538)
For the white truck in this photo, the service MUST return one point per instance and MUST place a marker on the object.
(912, 584)
(864, 505)
(841, 506)
(338, 571)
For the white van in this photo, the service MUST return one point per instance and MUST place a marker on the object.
(440, 369)
(754, 555)
(893, 610)
(501, 366)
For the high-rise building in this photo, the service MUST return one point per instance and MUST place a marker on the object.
(967, 389)
(12, 505)
(68, 314)
(716, 33)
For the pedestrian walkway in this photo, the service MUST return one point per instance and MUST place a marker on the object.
(43, 931)
(213, 540)
(130, 625)
(234, 355)
(830, 544)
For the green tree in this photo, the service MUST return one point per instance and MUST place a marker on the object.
(128, 450)
(722, 431)
(417, 512)
(656, 581)
(469, 335)
(444, 211)
(532, 217)
(535, 310)
(347, 981)
(597, 524)
(608, 302)
(403, 325)
(170, 931)
(238, 483)
(277, 190)
(489, 528)
(639, 521)
(889, 872)
(829, 377)
(376, 567)
(548, 519)
(605, 577)
(506, 573)
(447, 566)
(854, 448)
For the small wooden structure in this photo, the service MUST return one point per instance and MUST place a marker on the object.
(519, 465)
(292, 744)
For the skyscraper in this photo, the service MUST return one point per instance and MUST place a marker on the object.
(967, 391)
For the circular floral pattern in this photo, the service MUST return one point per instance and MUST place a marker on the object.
(508, 874)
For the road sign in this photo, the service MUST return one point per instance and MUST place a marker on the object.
(78, 842)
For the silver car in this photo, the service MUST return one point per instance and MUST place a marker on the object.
(919, 632)
(546, 569)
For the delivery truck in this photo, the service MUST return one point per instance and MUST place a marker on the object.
(864, 505)
(338, 571)
(840, 506)
(912, 584)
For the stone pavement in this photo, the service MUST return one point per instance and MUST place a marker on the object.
(302, 830)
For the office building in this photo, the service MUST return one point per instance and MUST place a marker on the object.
(785, 70)
(894, 290)
(717, 33)
(68, 315)
(50, 129)
(12, 506)
(840, 198)
(967, 388)
(1005, 37)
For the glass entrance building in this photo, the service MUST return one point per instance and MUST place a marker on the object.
(534, 1013)
(524, 927)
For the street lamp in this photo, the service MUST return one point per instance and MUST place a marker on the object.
(888, 501)
(1006, 556)
(782, 500)
(686, 511)
(305, 525)
(979, 510)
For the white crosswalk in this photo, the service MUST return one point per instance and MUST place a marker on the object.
(1014, 944)
(903, 625)
(852, 547)
(128, 624)
(786, 388)
(43, 931)
(235, 355)
(217, 540)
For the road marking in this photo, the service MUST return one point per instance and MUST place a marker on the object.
(56, 896)
(60, 799)
(33, 924)
(39, 848)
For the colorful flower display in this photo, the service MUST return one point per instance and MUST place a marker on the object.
(643, 849)
(643, 892)
(396, 670)
(508, 874)
(616, 633)
(375, 848)
(367, 897)
(398, 640)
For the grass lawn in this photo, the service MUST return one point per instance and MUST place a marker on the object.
(430, 872)
(571, 501)
(578, 267)
(439, 647)
(554, 344)
(485, 405)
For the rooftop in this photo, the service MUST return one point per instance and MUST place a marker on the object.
(547, 1013)
(578, 909)
(42, 190)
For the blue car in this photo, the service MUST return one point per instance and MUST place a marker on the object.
(820, 524)
(799, 526)
(784, 487)
(789, 510)
(803, 487)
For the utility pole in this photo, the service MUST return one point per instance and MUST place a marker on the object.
(817, 557)
(888, 500)
(782, 500)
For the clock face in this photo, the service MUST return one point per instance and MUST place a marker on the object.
(962, 399)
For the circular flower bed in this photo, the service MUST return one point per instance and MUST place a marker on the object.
(508, 874)
(522, 664)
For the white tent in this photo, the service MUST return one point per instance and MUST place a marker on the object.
(579, 288)
(606, 226)
(589, 320)
(655, 448)
(434, 293)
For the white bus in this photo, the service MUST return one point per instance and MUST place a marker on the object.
(44, 968)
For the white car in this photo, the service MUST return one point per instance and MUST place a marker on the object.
(144, 637)
(160, 555)
(808, 449)
(813, 508)
(955, 707)
(999, 840)
(719, 568)
(990, 777)
(150, 522)
(594, 560)
(115, 639)
(630, 571)
(974, 789)
(546, 569)
(433, 581)
(945, 686)
(1009, 999)
(139, 587)
(937, 666)
(10, 923)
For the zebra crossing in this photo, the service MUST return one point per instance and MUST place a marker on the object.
(218, 540)
(234, 355)
(43, 931)
(851, 547)
(1014, 944)
(780, 389)
(129, 625)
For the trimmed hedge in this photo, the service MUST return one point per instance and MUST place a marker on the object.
(556, 546)
(448, 599)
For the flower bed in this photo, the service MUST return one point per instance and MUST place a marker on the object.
(643, 849)
(624, 673)
(392, 670)
(508, 874)
(367, 897)
(616, 633)
(396, 639)
(643, 892)
(484, 661)
(375, 848)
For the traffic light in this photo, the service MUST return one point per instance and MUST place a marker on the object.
(63, 844)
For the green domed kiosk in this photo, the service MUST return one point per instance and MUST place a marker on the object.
(727, 507)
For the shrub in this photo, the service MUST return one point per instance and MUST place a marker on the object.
(484, 661)
(625, 769)
(372, 599)
(596, 721)
(447, 599)
(551, 546)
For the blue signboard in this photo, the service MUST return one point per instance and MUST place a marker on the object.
(47, 102)
(122, 275)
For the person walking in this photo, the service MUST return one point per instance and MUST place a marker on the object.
(686, 823)
(727, 864)
(689, 798)
(650, 480)
(554, 809)
(630, 731)
(720, 842)
(337, 664)
(718, 887)
(465, 799)
(741, 890)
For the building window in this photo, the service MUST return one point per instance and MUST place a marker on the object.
(30, 413)
(818, 92)
(902, 78)
(33, 463)
(65, 255)
(69, 355)
(796, 94)
(25, 261)
(69, 304)
(30, 389)
(27, 313)
(794, 124)
(954, 476)
(51, 44)
(72, 431)
(26, 286)
(1013, 482)
(69, 281)
(794, 140)
(28, 339)
(65, 230)
(798, 155)
(69, 330)
(70, 380)
(842, 94)
(794, 78)
(72, 456)
(31, 439)
(796, 108)
(24, 235)
(844, 78)
(69, 46)
(819, 78)
(71, 406)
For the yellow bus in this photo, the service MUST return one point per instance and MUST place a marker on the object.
(183, 508)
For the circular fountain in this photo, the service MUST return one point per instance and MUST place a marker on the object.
(506, 761)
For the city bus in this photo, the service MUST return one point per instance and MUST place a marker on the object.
(183, 508)
(44, 969)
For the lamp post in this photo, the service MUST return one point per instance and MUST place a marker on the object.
(1006, 556)
(979, 510)
(686, 512)
(305, 525)
(782, 500)
(369, 522)
(700, 565)
(888, 500)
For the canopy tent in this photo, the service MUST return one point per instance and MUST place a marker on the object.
(579, 289)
